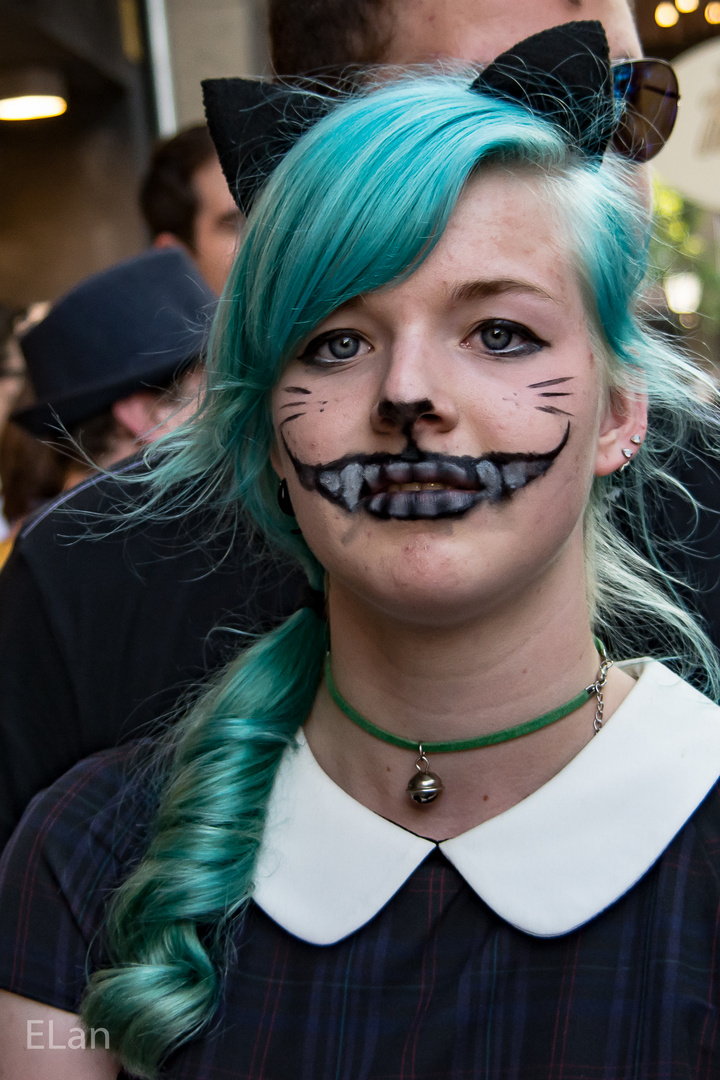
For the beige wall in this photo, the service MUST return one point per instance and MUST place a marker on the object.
(213, 38)
(68, 208)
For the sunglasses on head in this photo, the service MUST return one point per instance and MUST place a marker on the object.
(649, 91)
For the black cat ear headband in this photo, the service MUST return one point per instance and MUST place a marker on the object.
(563, 74)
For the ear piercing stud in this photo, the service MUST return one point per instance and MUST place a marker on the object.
(628, 453)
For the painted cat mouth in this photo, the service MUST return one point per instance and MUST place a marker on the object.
(414, 484)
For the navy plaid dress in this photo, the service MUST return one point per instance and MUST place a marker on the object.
(435, 987)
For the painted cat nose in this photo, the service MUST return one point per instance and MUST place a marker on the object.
(402, 415)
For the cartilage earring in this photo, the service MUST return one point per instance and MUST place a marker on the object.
(283, 498)
(629, 454)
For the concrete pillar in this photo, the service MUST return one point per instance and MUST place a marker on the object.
(213, 38)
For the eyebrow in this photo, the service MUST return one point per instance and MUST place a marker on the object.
(481, 290)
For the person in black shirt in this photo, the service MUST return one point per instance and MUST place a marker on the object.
(102, 634)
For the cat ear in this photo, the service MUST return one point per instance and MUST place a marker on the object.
(253, 125)
(564, 75)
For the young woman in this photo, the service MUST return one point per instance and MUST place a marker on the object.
(460, 843)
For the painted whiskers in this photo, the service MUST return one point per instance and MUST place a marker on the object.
(417, 484)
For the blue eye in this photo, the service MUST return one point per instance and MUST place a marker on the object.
(496, 337)
(343, 348)
(503, 337)
(335, 347)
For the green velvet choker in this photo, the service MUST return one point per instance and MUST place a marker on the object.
(425, 786)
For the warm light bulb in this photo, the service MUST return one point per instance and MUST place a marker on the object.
(686, 6)
(712, 13)
(683, 292)
(32, 107)
(666, 15)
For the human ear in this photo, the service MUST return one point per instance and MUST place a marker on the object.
(622, 431)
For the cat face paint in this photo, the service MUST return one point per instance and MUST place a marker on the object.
(414, 484)
(439, 437)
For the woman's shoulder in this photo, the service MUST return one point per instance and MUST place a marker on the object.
(77, 840)
(106, 799)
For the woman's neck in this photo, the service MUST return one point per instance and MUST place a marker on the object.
(462, 681)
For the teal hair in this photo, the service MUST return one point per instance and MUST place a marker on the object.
(356, 206)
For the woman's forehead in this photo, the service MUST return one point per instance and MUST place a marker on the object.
(502, 238)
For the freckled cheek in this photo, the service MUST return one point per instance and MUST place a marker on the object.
(512, 422)
(329, 430)
(496, 405)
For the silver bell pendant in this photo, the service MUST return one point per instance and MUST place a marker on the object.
(425, 786)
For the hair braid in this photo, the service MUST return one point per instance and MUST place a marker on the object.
(199, 865)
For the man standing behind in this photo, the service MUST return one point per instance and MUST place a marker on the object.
(324, 37)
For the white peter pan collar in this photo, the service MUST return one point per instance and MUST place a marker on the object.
(328, 864)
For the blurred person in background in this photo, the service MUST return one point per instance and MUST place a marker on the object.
(113, 363)
(49, 584)
(186, 203)
(332, 40)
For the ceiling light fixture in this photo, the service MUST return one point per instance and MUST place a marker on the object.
(30, 93)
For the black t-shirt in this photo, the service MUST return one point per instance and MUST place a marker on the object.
(103, 630)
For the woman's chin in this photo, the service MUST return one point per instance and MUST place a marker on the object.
(446, 582)
(440, 598)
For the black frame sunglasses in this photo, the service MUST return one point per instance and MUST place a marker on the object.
(649, 92)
